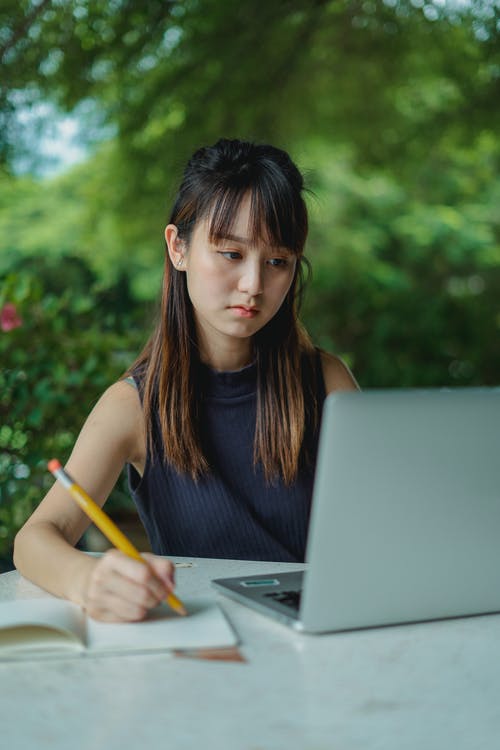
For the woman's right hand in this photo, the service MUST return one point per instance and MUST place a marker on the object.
(120, 589)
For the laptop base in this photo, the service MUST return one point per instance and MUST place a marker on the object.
(266, 594)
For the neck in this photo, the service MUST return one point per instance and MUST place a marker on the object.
(225, 359)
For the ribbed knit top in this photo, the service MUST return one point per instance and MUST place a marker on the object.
(230, 512)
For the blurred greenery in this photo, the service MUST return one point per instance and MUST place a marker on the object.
(70, 343)
(407, 278)
(390, 107)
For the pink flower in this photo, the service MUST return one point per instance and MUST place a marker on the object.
(9, 319)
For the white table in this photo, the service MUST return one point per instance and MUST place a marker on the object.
(413, 687)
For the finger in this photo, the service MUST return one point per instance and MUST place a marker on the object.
(141, 573)
(127, 579)
(163, 568)
(116, 609)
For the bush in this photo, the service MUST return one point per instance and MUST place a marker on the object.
(61, 344)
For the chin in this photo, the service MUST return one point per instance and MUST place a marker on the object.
(244, 332)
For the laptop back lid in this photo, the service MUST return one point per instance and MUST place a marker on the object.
(405, 523)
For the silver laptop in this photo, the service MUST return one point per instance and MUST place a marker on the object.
(405, 522)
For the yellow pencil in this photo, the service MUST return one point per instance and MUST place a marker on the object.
(104, 523)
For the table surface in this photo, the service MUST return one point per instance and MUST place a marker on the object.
(419, 686)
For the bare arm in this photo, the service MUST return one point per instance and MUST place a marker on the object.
(113, 587)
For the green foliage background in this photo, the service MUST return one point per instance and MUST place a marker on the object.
(391, 108)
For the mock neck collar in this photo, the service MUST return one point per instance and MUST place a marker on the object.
(229, 383)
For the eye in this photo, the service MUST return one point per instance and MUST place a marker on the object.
(278, 262)
(230, 254)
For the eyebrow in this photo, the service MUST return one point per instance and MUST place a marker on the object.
(249, 241)
(235, 238)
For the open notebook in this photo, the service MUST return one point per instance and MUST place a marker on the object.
(49, 626)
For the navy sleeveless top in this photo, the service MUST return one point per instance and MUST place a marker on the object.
(230, 512)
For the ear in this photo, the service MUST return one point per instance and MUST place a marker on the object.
(175, 246)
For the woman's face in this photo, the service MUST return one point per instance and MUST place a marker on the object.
(235, 286)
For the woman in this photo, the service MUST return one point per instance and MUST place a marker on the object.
(218, 419)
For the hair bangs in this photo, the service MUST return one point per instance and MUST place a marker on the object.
(276, 218)
(223, 211)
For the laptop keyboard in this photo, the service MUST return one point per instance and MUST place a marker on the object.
(288, 598)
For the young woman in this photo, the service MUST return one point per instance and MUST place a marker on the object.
(218, 418)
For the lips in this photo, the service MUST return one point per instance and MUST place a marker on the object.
(244, 310)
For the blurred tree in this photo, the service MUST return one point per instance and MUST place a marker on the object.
(399, 81)
(407, 280)
(387, 76)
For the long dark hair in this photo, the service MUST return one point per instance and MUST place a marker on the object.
(215, 181)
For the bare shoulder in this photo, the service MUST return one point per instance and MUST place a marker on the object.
(121, 393)
(118, 414)
(336, 373)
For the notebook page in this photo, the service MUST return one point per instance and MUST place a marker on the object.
(30, 625)
(205, 626)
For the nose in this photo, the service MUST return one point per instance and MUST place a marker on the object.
(252, 278)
